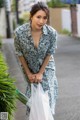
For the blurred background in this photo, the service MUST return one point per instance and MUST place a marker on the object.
(64, 15)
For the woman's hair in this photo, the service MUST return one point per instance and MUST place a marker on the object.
(39, 6)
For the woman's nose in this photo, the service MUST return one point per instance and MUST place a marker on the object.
(41, 21)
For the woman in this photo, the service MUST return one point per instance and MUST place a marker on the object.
(35, 44)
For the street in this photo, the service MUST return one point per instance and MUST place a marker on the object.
(67, 59)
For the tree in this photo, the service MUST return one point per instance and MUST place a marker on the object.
(1, 3)
(56, 3)
(13, 6)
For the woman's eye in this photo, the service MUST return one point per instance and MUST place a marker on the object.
(38, 16)
(45, 17)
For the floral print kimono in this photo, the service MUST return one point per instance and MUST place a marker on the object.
(34, 57)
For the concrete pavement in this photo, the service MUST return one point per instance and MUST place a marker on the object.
(15, 72)
(67, 60)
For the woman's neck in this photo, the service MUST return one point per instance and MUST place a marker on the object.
(35, 30)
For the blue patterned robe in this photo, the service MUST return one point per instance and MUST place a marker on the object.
(35, 56)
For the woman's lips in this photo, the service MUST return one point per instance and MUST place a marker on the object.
(40, 25)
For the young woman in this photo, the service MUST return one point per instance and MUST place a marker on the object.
(35, 44)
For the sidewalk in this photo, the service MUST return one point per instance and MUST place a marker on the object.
(15, 71)
(67, 60)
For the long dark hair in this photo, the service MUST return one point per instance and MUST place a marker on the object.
(39, 6)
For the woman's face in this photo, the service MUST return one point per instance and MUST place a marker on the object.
(38, 20)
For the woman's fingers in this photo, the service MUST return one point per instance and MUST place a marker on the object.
(38, 78)
(35, 78)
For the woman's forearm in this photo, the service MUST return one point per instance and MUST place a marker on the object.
(45, 63)
(24, 64)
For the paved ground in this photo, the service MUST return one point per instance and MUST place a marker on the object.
(15, 71)
(67, 60)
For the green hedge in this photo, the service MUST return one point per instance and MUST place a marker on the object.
(7, 90)
(65, 32)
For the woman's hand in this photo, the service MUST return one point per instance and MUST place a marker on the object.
(35, 77)
(31, 77)
(38, 77)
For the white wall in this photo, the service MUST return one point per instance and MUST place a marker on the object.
(66, 19)
(2, 23)
(41, 0)
(78, 19)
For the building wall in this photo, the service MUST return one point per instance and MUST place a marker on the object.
(78, 19)
(40, 0)
(55, 18)
(60, 19)
(66, 19)
(2, 23)
(25, 5)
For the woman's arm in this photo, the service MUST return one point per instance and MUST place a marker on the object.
(31, 76)
(38, 76)
(45, 63)
(42, 69)
(28, 73)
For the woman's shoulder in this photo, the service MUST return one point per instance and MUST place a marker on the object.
(21, 28)
(50, 29)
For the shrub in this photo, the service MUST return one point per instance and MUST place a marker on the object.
(21, 21)
(56, 4)
(7, 90)
(24, 17)
(66, 32)
(14, 24)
